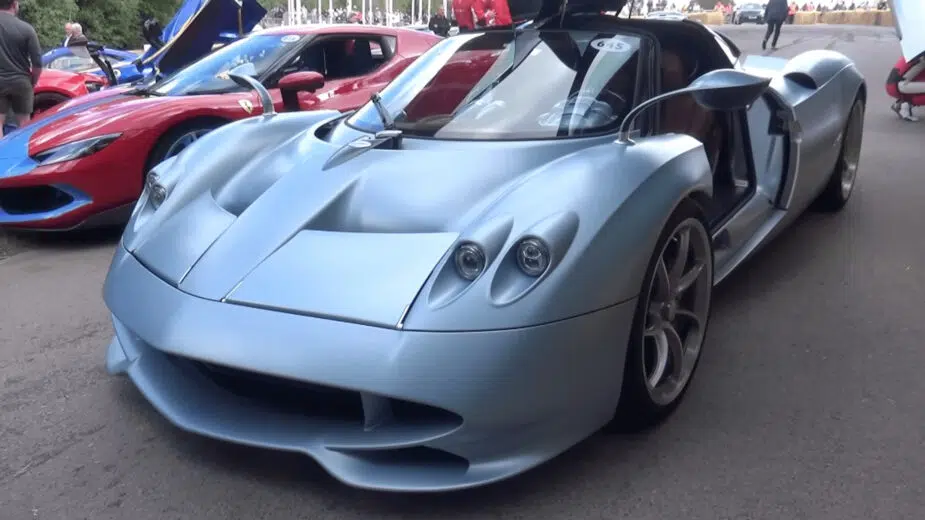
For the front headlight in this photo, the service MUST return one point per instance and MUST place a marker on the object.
(75, 150)
(533, 256)
(470, 261)
(157, 192)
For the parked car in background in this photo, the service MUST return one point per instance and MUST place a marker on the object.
(748, 13)
(74, 71)
(83, 163)
(63, 58)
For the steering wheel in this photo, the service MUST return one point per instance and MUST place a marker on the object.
(617, 102)
(589, 111)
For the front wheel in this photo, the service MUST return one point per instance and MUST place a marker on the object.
(178, 139)
(670, 323)
(46, 101)
(841, 184)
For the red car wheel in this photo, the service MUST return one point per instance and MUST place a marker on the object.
(45, 101)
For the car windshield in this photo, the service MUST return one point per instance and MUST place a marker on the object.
(72, 63)
(257, 53)
(534, 84)
(751, 7)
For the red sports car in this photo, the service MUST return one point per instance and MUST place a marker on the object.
(57, 86)
(82, 163)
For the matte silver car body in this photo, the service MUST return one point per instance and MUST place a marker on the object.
(326, 267)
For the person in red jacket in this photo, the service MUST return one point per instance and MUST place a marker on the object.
(468, 14)
(501, 12)
(906, 83)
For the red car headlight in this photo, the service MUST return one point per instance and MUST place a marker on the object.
(75, 150)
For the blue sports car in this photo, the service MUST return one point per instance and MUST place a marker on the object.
(476, 270)
(63, 58)
(208, 21)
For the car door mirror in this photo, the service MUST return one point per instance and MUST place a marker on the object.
(308, 81)
(722, 90)
(727, 89)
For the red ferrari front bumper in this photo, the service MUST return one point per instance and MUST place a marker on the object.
(97, 190)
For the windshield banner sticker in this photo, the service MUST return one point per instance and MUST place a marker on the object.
(289, 38)
(611, 45)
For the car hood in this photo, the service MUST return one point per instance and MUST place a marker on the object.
(908, 16)
(353, 238)
(110, 114)
(196, 26)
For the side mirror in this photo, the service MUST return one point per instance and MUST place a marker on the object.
(728, 89)
(308, 81)
(723, 90)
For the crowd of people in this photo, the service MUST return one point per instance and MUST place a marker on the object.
(729, 6)
(467, 14)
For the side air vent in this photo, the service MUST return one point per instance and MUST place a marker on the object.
(802, 79)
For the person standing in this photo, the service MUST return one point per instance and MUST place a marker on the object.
(438, 24)
(20, 64)
(67, 34)
(501, 13)
(76, 36)
(775, 13)
(468, 14)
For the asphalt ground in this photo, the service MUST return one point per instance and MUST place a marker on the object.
(809, 402)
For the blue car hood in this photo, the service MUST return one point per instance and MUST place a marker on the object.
(196, 27)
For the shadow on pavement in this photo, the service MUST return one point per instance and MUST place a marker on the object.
(15, 242)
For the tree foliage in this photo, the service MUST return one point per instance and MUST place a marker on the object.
(115, 23)
(48, 17)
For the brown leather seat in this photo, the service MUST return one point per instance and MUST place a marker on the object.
(682, 114)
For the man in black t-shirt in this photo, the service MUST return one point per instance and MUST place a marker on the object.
(438, 24)
(20, 63)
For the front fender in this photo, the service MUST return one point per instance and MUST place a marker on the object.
(600, 210)
(813, 69)
(197, 169)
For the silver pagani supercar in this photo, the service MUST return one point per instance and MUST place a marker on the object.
(510, 248)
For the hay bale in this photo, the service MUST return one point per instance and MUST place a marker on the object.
(805, 17)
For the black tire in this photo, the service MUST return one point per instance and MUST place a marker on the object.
(46, 100)
(636, 409)
(162, 150)
(834, 196)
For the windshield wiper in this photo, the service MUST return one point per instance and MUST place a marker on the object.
(387, 122)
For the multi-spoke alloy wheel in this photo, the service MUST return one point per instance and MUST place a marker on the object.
(844, 176)
(677, 311)
(178, 139)
(185, 140)
(670, 324)
(851, 153)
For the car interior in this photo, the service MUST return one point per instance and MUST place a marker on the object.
(685, 55)
(685, 52)
(341, 57)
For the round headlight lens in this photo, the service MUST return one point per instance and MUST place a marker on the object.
(533, 256)
(470, 261)
(156, 191)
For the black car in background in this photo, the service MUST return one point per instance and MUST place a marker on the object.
(745, 13)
